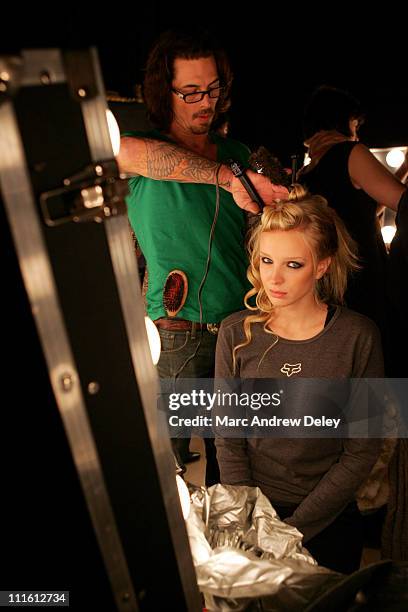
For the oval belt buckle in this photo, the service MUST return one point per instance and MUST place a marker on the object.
(213, 328)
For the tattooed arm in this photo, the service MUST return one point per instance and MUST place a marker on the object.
(166, 161)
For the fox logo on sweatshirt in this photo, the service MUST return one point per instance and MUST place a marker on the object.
(289, 368)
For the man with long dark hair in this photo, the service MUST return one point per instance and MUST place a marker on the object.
(186, 206)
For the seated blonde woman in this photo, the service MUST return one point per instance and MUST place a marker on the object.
(300, 257)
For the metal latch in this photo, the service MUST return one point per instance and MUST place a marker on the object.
(93, 194)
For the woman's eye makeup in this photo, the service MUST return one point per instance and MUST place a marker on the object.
(295, 265)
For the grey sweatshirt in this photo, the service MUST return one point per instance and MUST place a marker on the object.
(322, 475)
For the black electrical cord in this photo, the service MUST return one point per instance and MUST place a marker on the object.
(206, 270)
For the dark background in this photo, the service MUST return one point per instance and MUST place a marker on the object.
(279, 54)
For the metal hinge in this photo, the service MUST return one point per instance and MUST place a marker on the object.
(93, 194)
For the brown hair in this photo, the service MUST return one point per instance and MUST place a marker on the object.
(159, 72)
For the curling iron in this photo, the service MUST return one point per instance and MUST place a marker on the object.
(239, 171)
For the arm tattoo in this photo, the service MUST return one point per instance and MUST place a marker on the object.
(166, 161)
(226, 184)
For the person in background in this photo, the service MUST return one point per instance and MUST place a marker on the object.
(187, 208)
(353, 181)
(300, 257)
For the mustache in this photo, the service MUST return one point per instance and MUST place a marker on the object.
(208, 111)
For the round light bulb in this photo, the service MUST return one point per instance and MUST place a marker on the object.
(388, 233)
(184, 496)
(154, 340)
(114, 131)
(395, 158)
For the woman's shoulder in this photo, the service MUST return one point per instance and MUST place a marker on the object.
(350, 319)
(339, 151)
(234, 324)
(331, 169)
(235, 318)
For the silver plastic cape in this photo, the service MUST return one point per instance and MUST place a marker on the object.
(242, 551)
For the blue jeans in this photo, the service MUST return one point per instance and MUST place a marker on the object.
(177, 347)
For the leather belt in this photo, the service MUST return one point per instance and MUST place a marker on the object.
(184, 325)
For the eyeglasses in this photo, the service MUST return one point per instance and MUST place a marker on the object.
(197, 96)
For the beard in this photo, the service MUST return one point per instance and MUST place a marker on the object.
(201, 129)
(204, 128)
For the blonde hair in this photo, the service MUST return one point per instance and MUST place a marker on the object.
(327, 237)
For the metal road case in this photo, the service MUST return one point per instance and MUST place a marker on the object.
(89, 498)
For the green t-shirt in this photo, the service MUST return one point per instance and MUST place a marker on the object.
(172, 223)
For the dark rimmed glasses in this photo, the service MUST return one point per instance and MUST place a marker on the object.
(197, 96)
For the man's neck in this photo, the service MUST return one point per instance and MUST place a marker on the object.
(199, 143)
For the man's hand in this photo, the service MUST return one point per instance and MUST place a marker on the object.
(267, 191)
